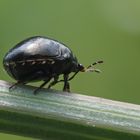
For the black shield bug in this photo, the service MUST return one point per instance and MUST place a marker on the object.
(41, 58)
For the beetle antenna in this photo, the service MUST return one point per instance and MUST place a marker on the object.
(90, 68)
(95, 63)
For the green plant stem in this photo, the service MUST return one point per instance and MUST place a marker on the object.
(58, 115)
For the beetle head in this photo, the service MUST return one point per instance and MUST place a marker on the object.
(81, 67)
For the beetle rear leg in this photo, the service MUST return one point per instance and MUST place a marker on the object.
(28, 78)
(53, 82)
(66, 83)
(17, 83)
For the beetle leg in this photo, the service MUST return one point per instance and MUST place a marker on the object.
(69, 78)
(41, 86)
(66, 83)
(17, 83)
(73, 76)
(53, 82)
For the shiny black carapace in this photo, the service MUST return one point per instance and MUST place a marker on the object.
(41, 58)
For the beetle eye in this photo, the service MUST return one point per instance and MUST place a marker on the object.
(81, 67)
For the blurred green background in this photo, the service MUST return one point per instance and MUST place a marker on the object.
(94, 29)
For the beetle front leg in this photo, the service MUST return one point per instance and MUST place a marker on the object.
(66, 83)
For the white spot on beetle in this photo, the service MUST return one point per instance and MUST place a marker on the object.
(23, 63)
(12, 63)
(52, 62)
(43, 62)
(33, 62)
(7, 64)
